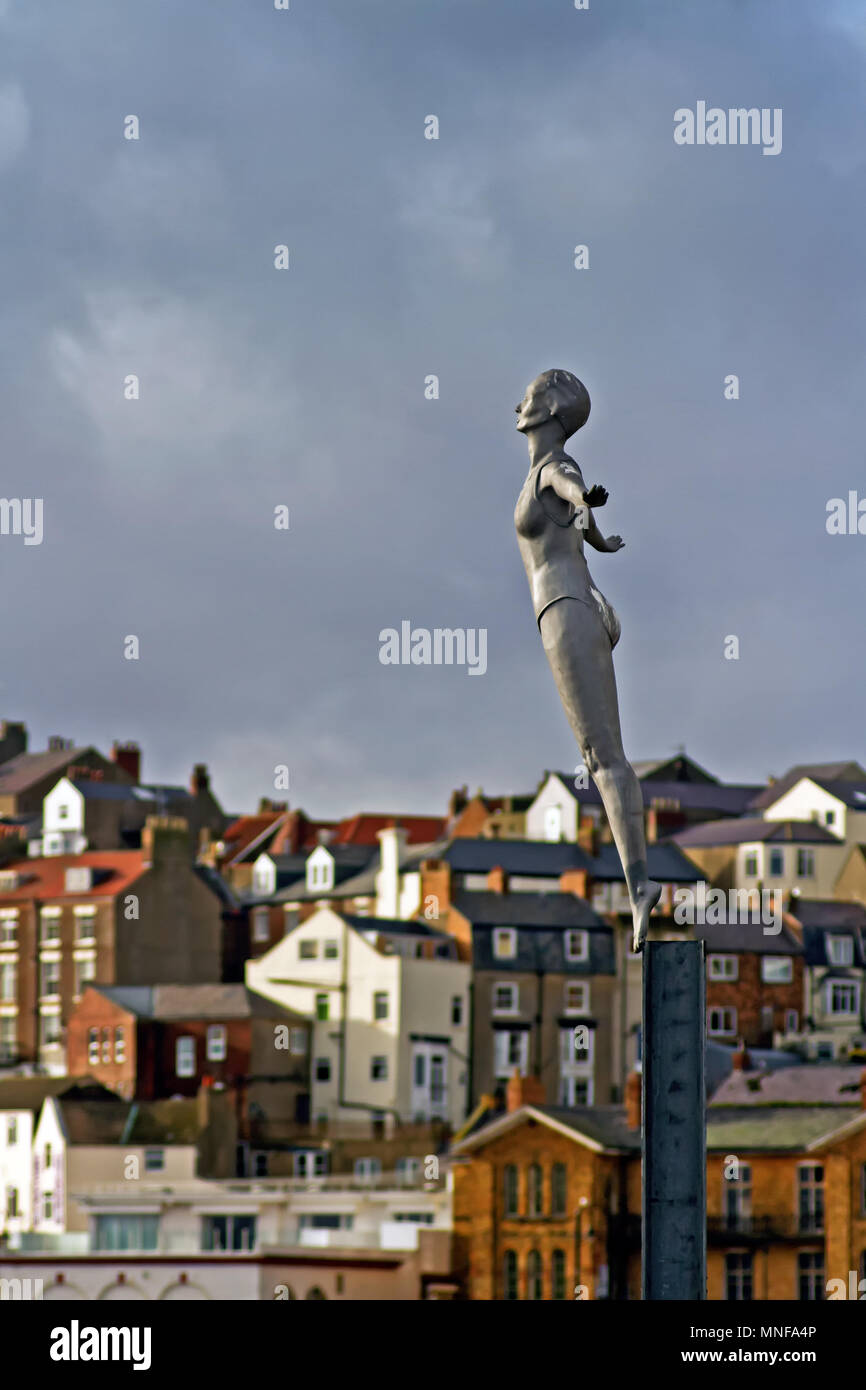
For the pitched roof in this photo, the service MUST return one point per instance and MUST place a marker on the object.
(130, 1122)
(389, 926)
(750, 936)
(747, 830)
(814, 1083)
(727, 799)
(603, 1128)
(24, 771)
(42, 879)
(828, 914)
(527, 910)
(665, 864)
(193, 1001)
(362, 829)
(771, 1128)
(28, 1092)
(822, 773)
(530, 858)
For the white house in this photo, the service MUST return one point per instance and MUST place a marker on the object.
(390, 1004)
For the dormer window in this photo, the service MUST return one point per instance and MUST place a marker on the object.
(320, 870)
(504, 943)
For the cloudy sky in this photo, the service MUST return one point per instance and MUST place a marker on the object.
(411, 257)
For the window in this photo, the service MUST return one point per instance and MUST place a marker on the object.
(418, 1218)
(323, 1069)
(576, 997)
(49, 1030)
(85, 925)
(810, 1197)
(750, 863)
(380, 1004)
(93, 1046)
(840, 950)
(510, 1051)
(738, 1276)
(8, 981)
(506, 999)
(48, 1206)
(510, 1275)
(533, 1275)
(558, 1189)
(106, 1044)
(408, 1171)
(378, 1068)
(843, 998)
(184, 1056)
(553, 824)
(576, 945)
(215, 1045)
(298, 1042)
(8, 1039)
(85, 972)
(228, 1233)
(723, 967)
(456, 1010)
(510, 1189)
(558, 1273)
(536, 1189)
(125, 1232)
(12, 1130)
(368, 1169)
(49, 979)
(805, 863)
(49, 927)
(322, 1007)
(261, 924)
(792, 1020)
(829, 817)
(810, 1276)
(291, 918)
(575, 1045)
(119, 1045)
(332, 950)
(777, 970)
(504, 943)
(575, 1090)
(825, 1052)
(737, 1198)
(154, 1160)
(310, 1163)
(721, 1022)
(308, 950)
(260, 1165)
(8, 931)
(46, 1156)
(777, 863)
(12, 1201)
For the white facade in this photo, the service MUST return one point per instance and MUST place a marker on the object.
(373, 1014)
(16, 1171)
(807, 801)
(808, 869)
(554, 814)
(63, 820)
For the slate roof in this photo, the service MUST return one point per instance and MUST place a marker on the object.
(527, 858)
(771, 1128)
(665, 863)
(527, 910)
(754, 830)
(822, 773)
(172, 1002)
(752, 936)
(389, 926)
(23, 771)
(827, 914)
(605, 1126)
(731, 800)
(541, 920)
(813, 1083)
(130, 1122)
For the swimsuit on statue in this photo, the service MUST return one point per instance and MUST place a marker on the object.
(551, 546)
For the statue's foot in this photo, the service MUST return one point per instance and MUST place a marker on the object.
(641, 908)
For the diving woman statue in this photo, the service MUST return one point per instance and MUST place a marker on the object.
(578, 627)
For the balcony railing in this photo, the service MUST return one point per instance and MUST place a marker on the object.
(739, 1227)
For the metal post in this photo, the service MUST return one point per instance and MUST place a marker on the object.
(674, 1145)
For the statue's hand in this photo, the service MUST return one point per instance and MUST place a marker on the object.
(595, 496)
(615, 543)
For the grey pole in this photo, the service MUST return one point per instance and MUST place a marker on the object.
(674, 1143)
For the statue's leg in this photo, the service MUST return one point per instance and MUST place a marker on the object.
(579, 652)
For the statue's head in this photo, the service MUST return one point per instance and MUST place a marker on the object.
(555, 394)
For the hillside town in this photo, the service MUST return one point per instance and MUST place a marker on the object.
(259, 1055)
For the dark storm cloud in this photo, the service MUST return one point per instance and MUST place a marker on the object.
(411, 257)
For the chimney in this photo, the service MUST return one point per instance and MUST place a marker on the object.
(127, 756)
(497, 880)
(164, 838)
(265, 803)
(524, 1090)
(587, 836)
(652, 826)
(436, 883)
(13, 740)
(574, 881)
(633, 1100)
(392, 844)
(741, 1059)
(200, 779)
